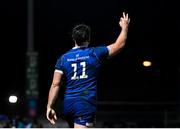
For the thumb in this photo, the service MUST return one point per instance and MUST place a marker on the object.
(55, 117)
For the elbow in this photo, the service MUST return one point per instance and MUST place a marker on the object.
(121, 45)
(55, 84)
(115, 48)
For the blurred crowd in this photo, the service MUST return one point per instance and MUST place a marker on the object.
(24, 122)
(18, 122)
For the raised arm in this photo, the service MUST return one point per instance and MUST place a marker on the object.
(53, 93)
(115, 48)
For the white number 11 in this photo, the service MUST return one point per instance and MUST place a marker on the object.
(83, 75)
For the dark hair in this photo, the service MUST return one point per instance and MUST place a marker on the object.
(81, 34)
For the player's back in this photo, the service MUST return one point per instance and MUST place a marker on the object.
(80, 67)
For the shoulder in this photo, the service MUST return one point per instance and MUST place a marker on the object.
(101, 49)
(96, 48)
(61, 56)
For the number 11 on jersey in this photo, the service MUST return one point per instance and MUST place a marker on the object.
(83, 75)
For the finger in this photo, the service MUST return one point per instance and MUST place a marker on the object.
(124, 15)
(120, 18)
(47, 115)
(129, 20)
(48, 118)
(52, 122)
(54, 114)
(127, 16)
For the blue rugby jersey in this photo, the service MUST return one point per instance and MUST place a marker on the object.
(80, 67)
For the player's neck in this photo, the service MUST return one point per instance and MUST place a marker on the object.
(83, 45)
(76, 46)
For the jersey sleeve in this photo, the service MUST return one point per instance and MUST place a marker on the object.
(59, 66)
(101, 53)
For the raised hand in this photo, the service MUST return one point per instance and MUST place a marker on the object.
(124, 21)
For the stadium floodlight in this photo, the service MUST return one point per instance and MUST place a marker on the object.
(147, 63)
(13, 99)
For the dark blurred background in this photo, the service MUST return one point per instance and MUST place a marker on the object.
(129, 94)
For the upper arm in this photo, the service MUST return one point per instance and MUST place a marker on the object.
(59, 70)
(57, 78)
(114, 49)
(59, 65)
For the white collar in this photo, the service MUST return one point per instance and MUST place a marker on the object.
(78, 47)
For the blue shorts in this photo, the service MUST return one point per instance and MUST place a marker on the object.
(80, 111)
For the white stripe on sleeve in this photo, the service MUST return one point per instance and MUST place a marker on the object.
(59, 71)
